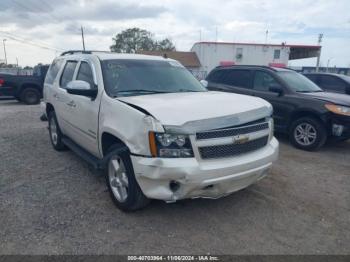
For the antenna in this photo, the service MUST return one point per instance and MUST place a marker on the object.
(319, 41)
(82, 37)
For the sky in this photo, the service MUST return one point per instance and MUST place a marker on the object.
(36, 31)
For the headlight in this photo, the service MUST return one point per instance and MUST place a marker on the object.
(340, 110)
(170, 145)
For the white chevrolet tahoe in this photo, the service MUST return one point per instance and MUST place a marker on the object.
(155, 129)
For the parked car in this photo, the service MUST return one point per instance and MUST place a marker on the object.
(334, 83)
(157, 132)
(301, 109)
(27, 89)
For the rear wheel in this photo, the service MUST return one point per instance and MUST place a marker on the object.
(308, 133)
(30, 96)
(122, 185)
(55, 132)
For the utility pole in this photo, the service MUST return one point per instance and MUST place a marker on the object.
(3, 41)
(82, 37)
(328, 63)
(266, 36)
(320, 36)
(17, 66)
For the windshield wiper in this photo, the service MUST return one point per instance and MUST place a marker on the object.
(309, 91)
(187, 90)
(145, 91)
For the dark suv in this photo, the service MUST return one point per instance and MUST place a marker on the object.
(301, 109)
(334, 83)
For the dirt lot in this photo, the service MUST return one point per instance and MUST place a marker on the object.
(54, 203)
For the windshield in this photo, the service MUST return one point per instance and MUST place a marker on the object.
(139, 77)
(298, 82)
(345, 77)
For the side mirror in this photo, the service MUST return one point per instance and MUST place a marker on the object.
(81, 88)
(204, 83)
(276, 89)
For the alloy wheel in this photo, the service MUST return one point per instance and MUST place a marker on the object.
(305, 134)
(118, 178)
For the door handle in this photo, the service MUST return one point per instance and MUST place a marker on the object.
(71, 104)
(56, 96)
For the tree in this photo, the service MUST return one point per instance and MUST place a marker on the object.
(165, 45)
(133, 40)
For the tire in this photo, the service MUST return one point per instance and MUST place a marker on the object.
(121, 182)
(55, 132)
(307, 133)
(30, 96)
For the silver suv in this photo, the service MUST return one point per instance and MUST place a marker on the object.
(156, 131)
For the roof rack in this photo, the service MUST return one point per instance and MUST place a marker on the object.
(88, 52)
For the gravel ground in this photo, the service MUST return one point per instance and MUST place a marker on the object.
(54, 203)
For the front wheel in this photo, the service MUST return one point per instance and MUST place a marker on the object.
(122, 185)
(308, 134)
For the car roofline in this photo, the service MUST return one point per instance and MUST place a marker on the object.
(275, 69)
(105, 55)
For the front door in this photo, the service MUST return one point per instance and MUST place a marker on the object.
(84, 111)
(263, 81)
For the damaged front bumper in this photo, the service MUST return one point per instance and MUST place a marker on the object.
(171, 179)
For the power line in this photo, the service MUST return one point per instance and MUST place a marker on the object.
(41, 43)
(29, 42)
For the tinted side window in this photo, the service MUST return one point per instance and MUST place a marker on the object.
(263, 81)
(216, 76)
(68, 73)
(313, 78)
(53, 71)
(85, 74)
(332, 83)
(238, 78)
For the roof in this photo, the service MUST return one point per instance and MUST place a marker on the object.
(296, 51)
(260, 44)
(320, 73)
(187, 59)
(105, 55)
(277, 69)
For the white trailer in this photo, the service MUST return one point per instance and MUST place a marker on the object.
(213, 54)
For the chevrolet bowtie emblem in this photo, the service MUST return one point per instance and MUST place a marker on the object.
(240, 139)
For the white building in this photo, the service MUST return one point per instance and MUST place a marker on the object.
(213, 54)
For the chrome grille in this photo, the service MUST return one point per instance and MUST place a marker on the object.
(232, 131)
(221, 151)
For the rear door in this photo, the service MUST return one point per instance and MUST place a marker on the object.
(62, 98)
(231, 80)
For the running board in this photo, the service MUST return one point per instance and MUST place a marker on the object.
(88, 157)
(94, 161)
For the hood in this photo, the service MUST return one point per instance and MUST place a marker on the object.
(178, 109)
(339, 99)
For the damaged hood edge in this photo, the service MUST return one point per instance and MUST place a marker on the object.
(192, 112)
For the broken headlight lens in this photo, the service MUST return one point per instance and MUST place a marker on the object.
(170, 145)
